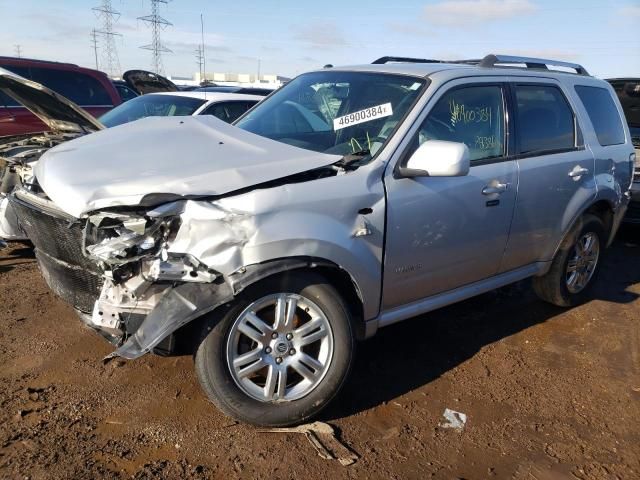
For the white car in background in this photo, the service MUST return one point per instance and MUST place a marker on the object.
(225, 106)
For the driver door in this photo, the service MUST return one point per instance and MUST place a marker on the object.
(447, 232)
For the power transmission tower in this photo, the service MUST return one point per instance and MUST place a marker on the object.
(157, 24)
(109, 16)
(94, 45)
(18, 50)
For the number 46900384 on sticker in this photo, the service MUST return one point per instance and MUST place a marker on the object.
(361, 116)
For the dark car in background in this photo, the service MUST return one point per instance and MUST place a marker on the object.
(126, 93)
(628, 91)
(90, 89)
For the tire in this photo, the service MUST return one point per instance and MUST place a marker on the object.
(556, 285)
(248, 398)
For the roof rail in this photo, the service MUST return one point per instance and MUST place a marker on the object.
(383, 60)
(536, 63)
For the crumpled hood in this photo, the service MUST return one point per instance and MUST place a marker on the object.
(179, 156)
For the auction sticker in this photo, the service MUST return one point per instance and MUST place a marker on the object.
(362, 116)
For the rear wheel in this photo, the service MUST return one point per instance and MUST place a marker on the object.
(280, 353)
(575, 266)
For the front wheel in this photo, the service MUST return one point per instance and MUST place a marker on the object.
(280, 353)
(575, 266)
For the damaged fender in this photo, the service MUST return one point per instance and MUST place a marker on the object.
(222, 246)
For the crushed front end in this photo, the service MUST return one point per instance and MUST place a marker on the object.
(117, 270)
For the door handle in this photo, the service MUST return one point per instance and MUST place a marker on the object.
(496, 188)
(578, 172)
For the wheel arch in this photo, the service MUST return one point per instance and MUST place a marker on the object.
(337, 276)
(343, 281)
(601, 208)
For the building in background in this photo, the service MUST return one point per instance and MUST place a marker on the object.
(233, 79)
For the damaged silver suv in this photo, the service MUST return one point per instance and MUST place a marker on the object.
(351, 199)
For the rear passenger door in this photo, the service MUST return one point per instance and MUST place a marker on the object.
(556, 171)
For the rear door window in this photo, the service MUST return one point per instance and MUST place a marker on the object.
(544, 120)
(603, 114)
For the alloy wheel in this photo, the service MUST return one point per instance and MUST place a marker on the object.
(582, 264)
(280, 348)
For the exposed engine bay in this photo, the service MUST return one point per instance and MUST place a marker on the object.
(18, 154)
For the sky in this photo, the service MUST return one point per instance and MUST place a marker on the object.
(288, 37)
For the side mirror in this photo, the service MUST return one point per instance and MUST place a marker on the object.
(437, 158)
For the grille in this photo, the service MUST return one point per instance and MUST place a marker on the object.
(76, 286)
(58, 241)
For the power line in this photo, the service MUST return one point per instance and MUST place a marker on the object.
(157, 24)
(18, 50)
(94, 45)
(109, 16)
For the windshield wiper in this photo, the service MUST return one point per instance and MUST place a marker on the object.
(349, 160)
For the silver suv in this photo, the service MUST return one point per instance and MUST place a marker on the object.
(350, 199)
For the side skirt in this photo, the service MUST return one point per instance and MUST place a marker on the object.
(440, 300)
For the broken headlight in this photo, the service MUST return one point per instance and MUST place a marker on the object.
(115, 238)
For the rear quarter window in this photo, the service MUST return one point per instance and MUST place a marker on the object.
(603, 114)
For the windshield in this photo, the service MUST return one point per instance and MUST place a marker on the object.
(335, 112)
(151, 106)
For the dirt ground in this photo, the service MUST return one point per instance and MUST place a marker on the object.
(548, 394)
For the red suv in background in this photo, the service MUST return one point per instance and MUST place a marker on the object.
(90, 89)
